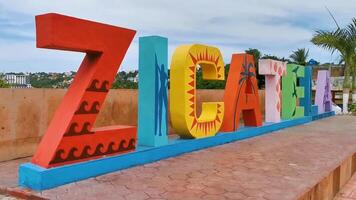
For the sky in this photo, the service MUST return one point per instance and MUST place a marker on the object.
(275, 27)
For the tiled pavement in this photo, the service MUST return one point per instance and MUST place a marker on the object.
(348, 191)
(3, 197)
(279, 166)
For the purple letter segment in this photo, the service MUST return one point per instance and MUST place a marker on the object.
(323, 91)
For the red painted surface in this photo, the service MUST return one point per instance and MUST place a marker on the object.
(70, 136)
(241, 94)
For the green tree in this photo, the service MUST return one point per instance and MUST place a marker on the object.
(351, 31)
(3, 84)
(300, 56)
(122, 80)
(267, 56)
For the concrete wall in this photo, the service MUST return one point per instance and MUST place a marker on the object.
(336, 71)
(26, 113)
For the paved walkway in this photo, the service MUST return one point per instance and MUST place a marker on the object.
(280, 165)
(3, 197)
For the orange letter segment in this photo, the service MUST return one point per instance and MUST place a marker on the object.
(241, 94)
(70, 136)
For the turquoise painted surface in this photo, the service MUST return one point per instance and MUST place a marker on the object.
(153, 91)
(38, 178)
(306, 101)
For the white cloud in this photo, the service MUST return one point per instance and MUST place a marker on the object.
(275, 27)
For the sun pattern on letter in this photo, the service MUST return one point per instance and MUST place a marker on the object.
(184, 117)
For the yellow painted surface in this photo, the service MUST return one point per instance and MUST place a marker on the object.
(183, 99)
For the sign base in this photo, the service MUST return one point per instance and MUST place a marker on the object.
(38, 178)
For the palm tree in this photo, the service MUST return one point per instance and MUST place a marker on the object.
(351, 31)
(339, 40)
(300, 56)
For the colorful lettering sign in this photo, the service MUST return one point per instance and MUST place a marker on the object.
(70, 136)
(323, 92)
(273, 71)
(153, 91)
(184, 118)
(291, 92)
(241, 94)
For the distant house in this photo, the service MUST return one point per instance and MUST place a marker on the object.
(18, 80)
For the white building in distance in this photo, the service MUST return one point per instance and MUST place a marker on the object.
(17, 80)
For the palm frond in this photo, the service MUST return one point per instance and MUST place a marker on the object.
(300, 56)
(332, 40)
